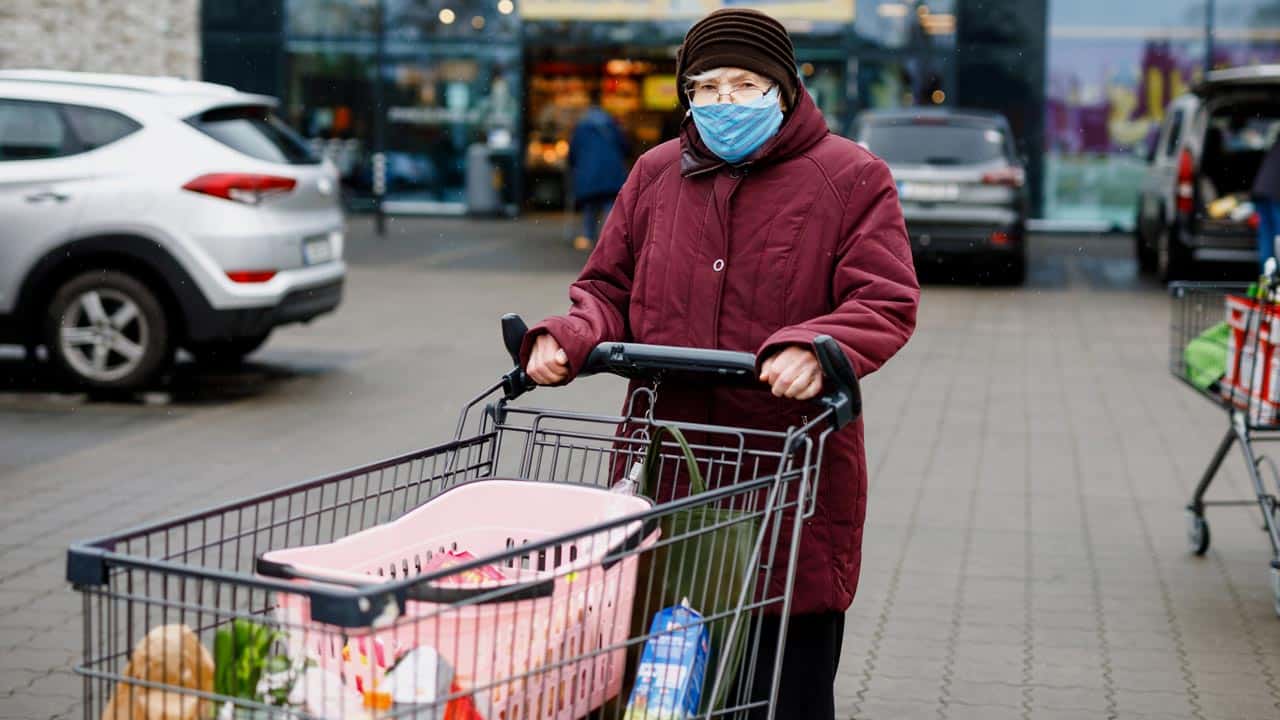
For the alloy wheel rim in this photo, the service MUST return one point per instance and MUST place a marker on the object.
(103, 335)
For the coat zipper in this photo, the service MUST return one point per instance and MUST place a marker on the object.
(738, 174)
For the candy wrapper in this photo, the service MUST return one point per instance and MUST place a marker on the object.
(443, 561)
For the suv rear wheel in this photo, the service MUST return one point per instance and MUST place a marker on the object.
(1171, 257)
(106, 331)
(1142, 250)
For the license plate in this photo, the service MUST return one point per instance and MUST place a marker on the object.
(928, 192)
(316, 251)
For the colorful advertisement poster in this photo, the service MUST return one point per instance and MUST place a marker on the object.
(1106, 100)
(660, 92)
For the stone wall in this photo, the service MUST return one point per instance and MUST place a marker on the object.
(142, 37)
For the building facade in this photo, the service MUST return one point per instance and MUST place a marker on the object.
(463, 96)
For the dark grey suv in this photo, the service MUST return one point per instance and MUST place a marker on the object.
(961, 183)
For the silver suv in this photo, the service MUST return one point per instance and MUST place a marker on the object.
(141, 215)
(961, 183)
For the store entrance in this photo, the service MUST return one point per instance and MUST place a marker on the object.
(637, 87)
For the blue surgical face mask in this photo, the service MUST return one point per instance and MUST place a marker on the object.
(735, 130)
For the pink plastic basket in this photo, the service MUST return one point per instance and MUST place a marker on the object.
(543, 656)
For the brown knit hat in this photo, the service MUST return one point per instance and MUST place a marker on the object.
(743, 38)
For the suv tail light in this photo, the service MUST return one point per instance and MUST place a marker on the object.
(1012, 177)
(242, 187)
(1186, 183)
(250, 276)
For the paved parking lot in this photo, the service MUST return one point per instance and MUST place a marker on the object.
(1025, 553)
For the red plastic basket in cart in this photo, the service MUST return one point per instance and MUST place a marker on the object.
(1240, 316)
(1252, 379)
(551, 612)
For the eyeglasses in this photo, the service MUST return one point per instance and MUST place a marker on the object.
(709, 93)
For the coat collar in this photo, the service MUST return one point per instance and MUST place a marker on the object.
(802, 129)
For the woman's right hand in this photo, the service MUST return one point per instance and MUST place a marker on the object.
(548, 363)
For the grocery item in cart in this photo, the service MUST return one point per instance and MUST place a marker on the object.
(170, 655)
(1234, 386)
(451, 558)
(324, 694)
(420, 677)
(241, 651)
(1206, 357)
(1251, 342)
(671, 672)
(1264, 389)
(1251, 378)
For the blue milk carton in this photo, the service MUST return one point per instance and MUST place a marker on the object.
(669, 677)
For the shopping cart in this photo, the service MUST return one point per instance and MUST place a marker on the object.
(501, 575)
(1247, 391)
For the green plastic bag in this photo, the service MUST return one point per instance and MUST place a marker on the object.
(1205, 357)
(709, 566)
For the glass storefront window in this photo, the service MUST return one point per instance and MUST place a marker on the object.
(906, 23)
(438, 107)
(1245, 32)
(330, 103)
(908, 58)
(637, 86)
(240, 16)
(331, 18)
(1257, 14)
(901, 82)
(461, 19)
(825, 81)
(1113, 68)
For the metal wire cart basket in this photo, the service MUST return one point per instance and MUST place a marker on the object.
(508, 574)
(1222, 345)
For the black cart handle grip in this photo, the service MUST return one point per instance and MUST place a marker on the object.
(840, 382)
(638, 360)
(516, 382)
(841, 391)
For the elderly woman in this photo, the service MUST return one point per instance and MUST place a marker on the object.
(756, 230)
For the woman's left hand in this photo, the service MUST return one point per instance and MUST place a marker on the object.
(793, 372)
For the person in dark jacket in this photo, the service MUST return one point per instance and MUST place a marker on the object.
(756, 230)
(1266, 199)
(598, 163)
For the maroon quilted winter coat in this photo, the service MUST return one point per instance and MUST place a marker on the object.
(805, 238)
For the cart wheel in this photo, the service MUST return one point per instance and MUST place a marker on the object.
(1197, 533)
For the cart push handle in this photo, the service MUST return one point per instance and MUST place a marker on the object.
(841, 395)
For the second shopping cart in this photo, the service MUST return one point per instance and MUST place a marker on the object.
(1223, 344)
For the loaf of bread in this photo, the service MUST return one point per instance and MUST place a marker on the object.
(170, 655)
